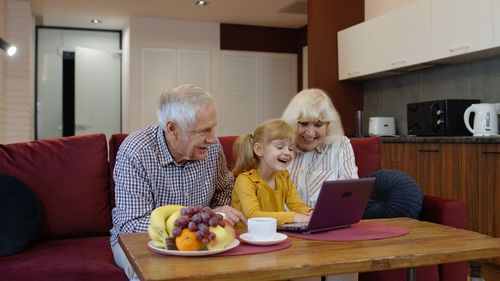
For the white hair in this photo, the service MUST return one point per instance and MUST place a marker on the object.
(314, 105)
(181, 105)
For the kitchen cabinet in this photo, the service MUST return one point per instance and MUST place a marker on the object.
(462, 171)
(461, 26)
(488, 210)
(496, 23)
(421, 34)
(354, 51)
(393, 47)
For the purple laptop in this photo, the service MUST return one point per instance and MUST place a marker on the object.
(340, 203)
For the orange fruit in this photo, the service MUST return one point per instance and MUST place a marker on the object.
(187, 241)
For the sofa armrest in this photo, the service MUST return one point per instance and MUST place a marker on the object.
(451, 213)
(444, 211)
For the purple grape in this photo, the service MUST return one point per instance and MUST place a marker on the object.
(183, 211)
(196, 218)
(199, 235)
(189, 211)
(203, 228)
(196, 209)
(176, 231)
(219, 216)
(214, 221)
(211, 236)
(222, 223)
(192, 226)
(205, 217)
(206, 209)
(181, 221)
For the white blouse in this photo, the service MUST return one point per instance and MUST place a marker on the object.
(310, 169)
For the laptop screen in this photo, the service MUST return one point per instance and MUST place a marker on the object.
(340, 203)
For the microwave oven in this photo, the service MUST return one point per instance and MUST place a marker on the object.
(438, 118)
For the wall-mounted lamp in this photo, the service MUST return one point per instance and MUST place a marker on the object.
(7, 48)
(201, 3)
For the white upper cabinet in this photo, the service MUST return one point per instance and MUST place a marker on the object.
(402, 37)
(422, 32)
(496, 23)
(461, 26)
(354, 51)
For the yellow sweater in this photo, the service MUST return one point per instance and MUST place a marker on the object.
(254, 198)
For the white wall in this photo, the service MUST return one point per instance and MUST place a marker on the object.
(374, 8)
(126, 79)
(163, 33)
(18, 75)
(2, 60)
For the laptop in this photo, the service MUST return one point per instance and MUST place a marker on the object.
(340, 203)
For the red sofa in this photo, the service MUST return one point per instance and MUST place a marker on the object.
(71, 177)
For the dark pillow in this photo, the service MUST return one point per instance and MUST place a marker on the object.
(395, 194)
(19, 215)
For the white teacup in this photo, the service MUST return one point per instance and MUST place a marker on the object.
(261, 228)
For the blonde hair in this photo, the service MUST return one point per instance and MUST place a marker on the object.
(314, 105)
(264, 134)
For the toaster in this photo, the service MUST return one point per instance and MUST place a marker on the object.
(381, 126)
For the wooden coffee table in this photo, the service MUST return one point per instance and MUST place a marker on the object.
(426, 244)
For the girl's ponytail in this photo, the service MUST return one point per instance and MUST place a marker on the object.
(243, 151)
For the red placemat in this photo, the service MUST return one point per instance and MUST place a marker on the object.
(360, 231)
(246, 249)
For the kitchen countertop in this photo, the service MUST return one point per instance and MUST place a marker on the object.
(448, 139)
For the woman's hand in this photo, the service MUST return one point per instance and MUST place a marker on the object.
(301, 217)
(232, 214)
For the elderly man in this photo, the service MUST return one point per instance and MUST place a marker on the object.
(178, 161)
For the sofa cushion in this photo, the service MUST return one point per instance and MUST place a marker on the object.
(367, 154)
(395, 194)
(71, 179)
(19, 215)
(88, 259)
(114, 145)
(227, 145)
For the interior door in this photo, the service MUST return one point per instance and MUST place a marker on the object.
(97, 92)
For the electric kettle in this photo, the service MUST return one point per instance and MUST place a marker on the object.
(485, 119)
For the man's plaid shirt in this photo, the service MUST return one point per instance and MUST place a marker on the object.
(146, 177)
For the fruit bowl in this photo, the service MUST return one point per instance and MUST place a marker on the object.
(162, 251)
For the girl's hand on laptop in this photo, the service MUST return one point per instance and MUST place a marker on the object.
(301, 217)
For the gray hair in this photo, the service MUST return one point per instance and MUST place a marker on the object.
(181, 104)
(314, 105)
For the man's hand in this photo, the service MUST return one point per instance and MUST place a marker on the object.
(232, 214)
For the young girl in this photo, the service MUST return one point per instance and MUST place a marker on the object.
(263, 186)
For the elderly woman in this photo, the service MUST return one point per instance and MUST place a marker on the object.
(322, 150)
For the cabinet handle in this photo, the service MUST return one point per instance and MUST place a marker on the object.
(428, 150)
(459, 49)
(398, 63)
(491, 152)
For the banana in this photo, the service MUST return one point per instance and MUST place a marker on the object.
(158, 220)
(170, 222)
(158, 240)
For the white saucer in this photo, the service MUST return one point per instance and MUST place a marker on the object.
(278, 238)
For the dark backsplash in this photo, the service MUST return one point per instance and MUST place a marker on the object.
(472, 80)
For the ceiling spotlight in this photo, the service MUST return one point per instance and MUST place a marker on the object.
(201, 3)
(96, 21)
(8, 48)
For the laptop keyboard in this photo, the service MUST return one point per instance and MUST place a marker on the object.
(293, 226)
